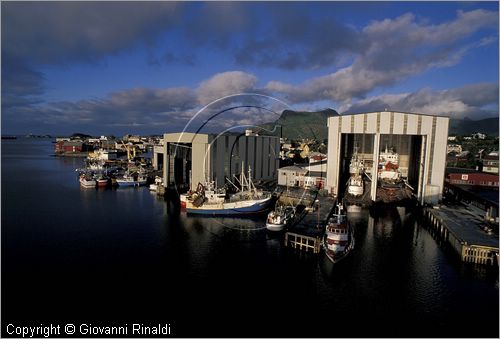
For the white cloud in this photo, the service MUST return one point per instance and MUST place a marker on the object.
(223, 84)
(396, 49)
(473, 101)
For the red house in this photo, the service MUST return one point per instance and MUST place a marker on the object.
(68, 146)
(473, 179)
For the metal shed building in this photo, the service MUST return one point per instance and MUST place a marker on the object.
(421, 139)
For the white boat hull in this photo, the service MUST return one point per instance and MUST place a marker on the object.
(230, 208)
(130, 183)
(275, 227)
(87, 183)
(355, 190)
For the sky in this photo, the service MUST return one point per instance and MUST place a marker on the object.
(146, 68)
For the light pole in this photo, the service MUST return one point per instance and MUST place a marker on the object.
(318, 206)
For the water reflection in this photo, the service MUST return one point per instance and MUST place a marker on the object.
(131, 254)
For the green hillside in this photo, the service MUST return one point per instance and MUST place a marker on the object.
(299, 124)
(312, 125)
(467, 126)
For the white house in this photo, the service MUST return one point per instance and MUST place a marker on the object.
(291, 176)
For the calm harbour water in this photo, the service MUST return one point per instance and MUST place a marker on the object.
(115, 256)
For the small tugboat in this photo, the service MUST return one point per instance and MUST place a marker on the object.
(278, 219)
(338, 240)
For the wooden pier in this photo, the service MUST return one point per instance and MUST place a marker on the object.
(303, 242)
(463, 232)
(307, 231)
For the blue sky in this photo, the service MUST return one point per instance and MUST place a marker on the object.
(149, 67)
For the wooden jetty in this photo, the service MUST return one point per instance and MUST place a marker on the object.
(306, 233)
(303, 242)
(464, 232)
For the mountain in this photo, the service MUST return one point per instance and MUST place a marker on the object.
(468, 126)
(301, 124)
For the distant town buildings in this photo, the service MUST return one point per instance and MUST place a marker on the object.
(478, 135)
(68, 146)
(453, 148)
(490, 163)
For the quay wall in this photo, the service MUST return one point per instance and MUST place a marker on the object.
(473, 249)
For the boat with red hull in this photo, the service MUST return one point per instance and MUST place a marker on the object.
(338, 240)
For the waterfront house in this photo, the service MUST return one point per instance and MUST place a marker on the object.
(473, 179)
(68, 147)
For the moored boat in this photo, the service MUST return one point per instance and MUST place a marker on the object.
(212, 201)
(278, 219)
(355, 185)
(87, 182)
(158, 182)
(355, 182)
(389, 174)
(338, 240)
(102, 181)
(131, 180)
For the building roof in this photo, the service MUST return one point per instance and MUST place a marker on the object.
(412, 113)
(450, 170)
(482, 194)
(490, 157)
(316, 174)
(293, 169)
(72, 143)
(463, 154)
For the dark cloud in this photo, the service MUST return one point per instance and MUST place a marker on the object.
(62, 31)
(473, 101)
(40, 33)
(21, 85)
(216, 23)
(296, 41)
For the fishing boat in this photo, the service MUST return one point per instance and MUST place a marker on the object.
(102, 180)
(86, 181)
(131, 180)
(209, 200)
(355, 182)
(389, 174)
(338, 240)
(392, 188)
(355, 186)
(184, 197)
(278, 219)
(158, 182)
